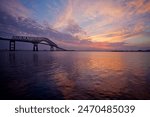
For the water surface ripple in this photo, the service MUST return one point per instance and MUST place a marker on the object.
(74, 75)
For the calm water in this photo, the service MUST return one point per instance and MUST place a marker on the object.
(74, 75)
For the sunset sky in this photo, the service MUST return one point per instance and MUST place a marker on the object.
(80, 24)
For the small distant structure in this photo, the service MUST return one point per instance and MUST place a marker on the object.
(34, 40)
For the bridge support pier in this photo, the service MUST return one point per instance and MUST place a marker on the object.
(35, 47)
(51, 48)
(12, 45)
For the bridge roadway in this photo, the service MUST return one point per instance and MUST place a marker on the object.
(34, 40)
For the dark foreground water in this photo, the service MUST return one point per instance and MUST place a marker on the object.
(74, 75)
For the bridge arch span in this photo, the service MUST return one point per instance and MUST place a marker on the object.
(34, 40)
(48, 41)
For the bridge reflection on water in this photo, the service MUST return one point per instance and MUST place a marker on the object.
(34, 40)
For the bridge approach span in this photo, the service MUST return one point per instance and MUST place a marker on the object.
(34, 40)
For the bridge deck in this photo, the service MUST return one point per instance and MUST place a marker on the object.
(34, 40)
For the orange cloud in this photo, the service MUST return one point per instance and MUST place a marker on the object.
(106, 21)
(139, 6)
(63, 19)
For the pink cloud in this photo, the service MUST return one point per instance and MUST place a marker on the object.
(14, 8)
(97, 24)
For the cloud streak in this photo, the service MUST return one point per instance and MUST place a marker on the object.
(80, 24)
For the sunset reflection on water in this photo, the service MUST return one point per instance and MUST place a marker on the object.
(105, 75)
(75, 75)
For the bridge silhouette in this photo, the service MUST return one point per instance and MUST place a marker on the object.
(34, 40)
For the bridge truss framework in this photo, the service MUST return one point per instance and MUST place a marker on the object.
(34, 40)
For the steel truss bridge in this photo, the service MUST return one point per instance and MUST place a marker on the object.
(34, 40)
